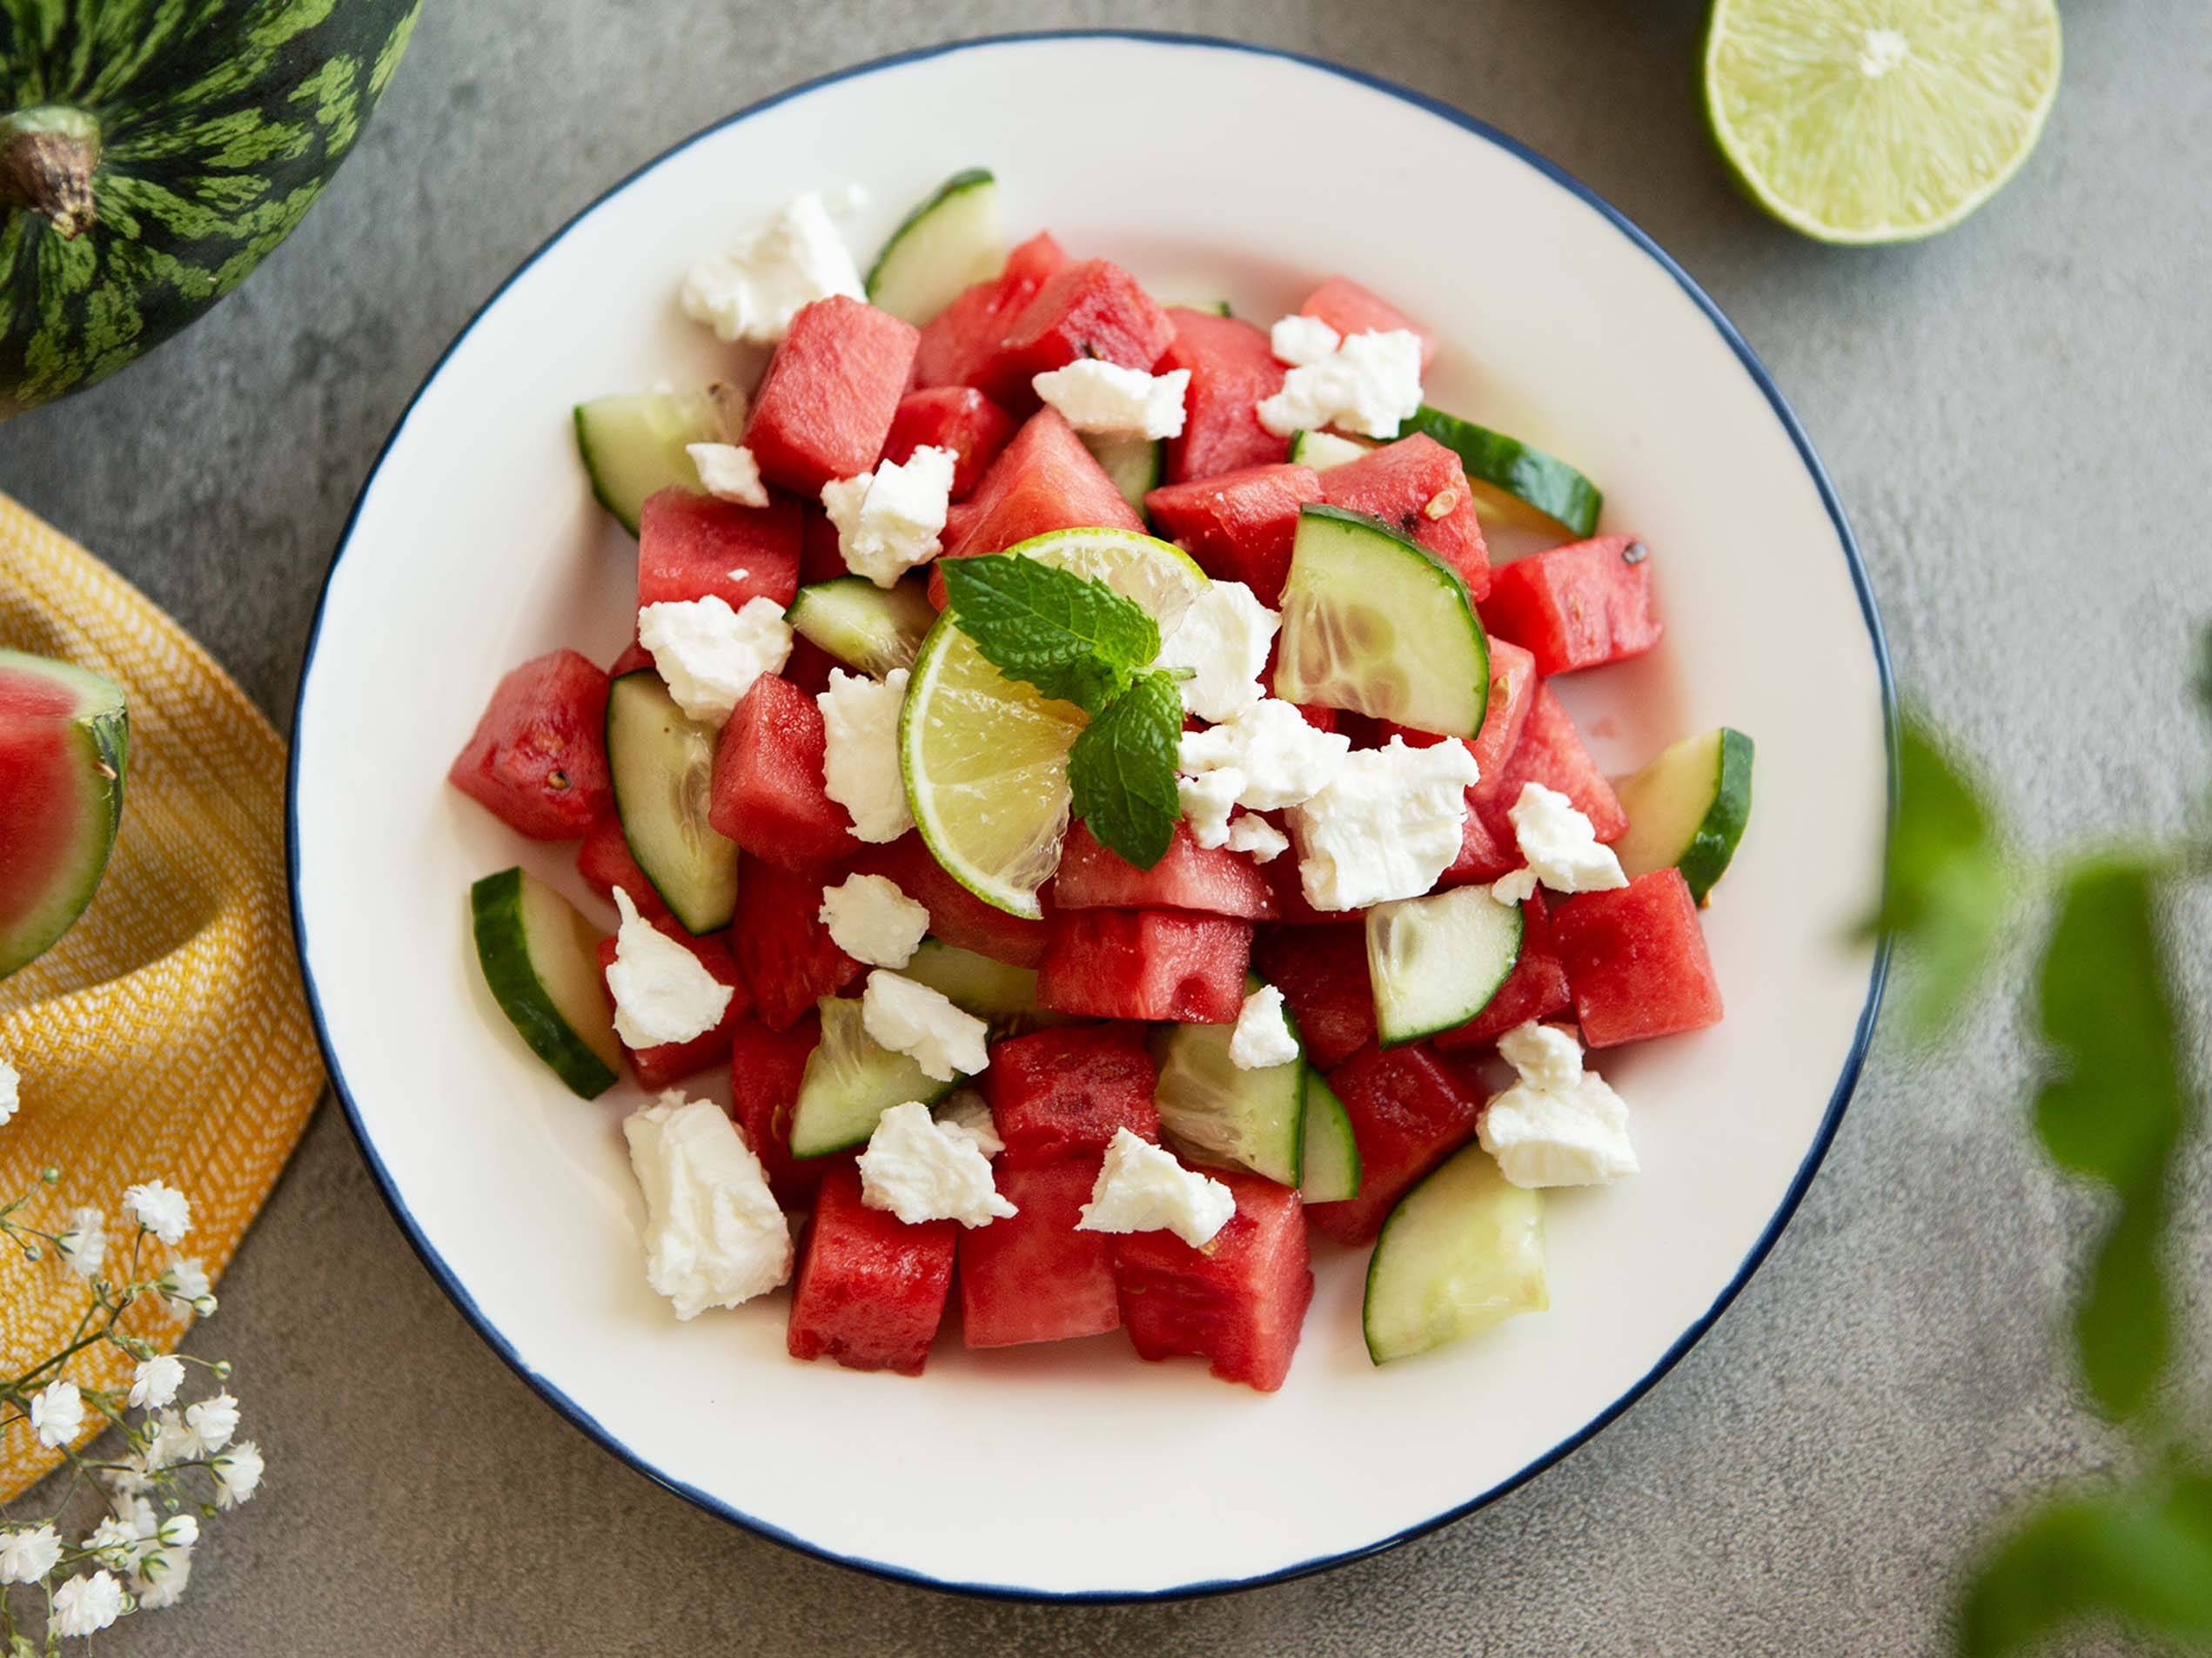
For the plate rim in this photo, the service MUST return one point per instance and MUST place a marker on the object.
(1839, 1096)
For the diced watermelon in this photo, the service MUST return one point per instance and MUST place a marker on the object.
(634, 657)
(1282, 875)
(1536, 989)
(768, 795)
(1144, 964)
(958, 417)
(766, 1068)
(1091, 309)
(1409, 1111)
(809, 665)
(1314, 714)
(1238, 1303)
(784, 953)
(956, 916)
(960, 338)
(1350, 309)
(1321, 972)
(1032, 1276)
(1061, 1093)
(1550, 753)
(820, 557)
(1512, 683)
(1419, 487)
(825, 406)
(605, 863)
(1482, 858)
(871, 1289)
(1231, 369)
(1189, 877)
(691, 545)
(1579, 606)
(1636, 960)
(669, 1063)
(538, 759)
(1238, 525)
(1045, 481)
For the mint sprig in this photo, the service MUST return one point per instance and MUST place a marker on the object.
(1122, 770)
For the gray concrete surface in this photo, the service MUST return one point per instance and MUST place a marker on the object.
(2015, 415)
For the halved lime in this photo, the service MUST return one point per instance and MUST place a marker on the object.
(986, 757)
(1878, 120)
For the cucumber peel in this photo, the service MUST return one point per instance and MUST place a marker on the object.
(540, 959)
(956, 237)
(1512, 482)
(1331, 1170)
(1689, 808)
(1436, 961)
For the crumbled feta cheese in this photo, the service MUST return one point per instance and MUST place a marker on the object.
(1303, 341)
(888, 520)
(1224, 639)
(728, 472)
(919, 1169)
(713, 1236)
(1098, 396)
(1559, 1125)
(1386, 827)
(1517, 888)
(860, 719)
(709, 654)
(1256, 835)
(1262, 1036)
(662, 992)
(1282, 760)
(1370, 384)
(1560, 844)
(912, 1019)
(753, 290)
(10, 1081)
(1141, 1189)
(966, 1111)
(1207, 800)
(872, 921)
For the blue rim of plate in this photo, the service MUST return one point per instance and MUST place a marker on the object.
(1847, 1081)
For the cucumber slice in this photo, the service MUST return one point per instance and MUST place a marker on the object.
(1253, 1118)
(661, 763)
(1463, 1250)
(633, 445)
(1331, 1170)
(541, 958)
(850, 1080)
(1512, 482)
(64, 746)
(1373, 623)
(1135, 465)
(1002, 995)
(1322, 450)
(866, 628)
(955, 238)
(1689, 808)
(1436, 961)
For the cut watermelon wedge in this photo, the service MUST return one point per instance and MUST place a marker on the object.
(63, 741)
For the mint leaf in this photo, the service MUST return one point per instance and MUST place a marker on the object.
(1073, 637)
(1122, 770)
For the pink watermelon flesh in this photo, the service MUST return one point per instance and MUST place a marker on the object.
(766, 1068)
(768, 793)
(1580, 606)
(956, 916)
(1321, 972)
(784, 953)
(1239, 525)
(1091, 309)
(538, 759)
(1418, 487)
(61, 797)
(1513, 685)
(871, 1290)
(1636, 957)
(961, 339)
(1045, 480)
(958, 417)
(1033, 1277)
(1350, 309)
(825, 406)
(605, 863)
(1144, 964)
(1214, 880)
(1231, 369)
(691, 546)
(1238, 1303)
(1409, 1111)
(1063, 1093)
(1550, 753)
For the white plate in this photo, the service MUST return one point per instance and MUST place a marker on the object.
(1077, 1470)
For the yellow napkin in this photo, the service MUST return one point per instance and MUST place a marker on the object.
(165, 1036)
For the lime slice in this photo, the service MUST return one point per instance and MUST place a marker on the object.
(1878, 120)
(986, 757)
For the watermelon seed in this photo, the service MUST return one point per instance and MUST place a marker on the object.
(557, 779)
(1634, 552)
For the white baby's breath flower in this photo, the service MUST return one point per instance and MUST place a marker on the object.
(172, 1443)
(56, 1413)
(9, 1098)
(85, 1606)
(27, 1554)
(161, 1577)
(210, 1423)
(155, 1382)
(162, 1210)
(114, 1542)
(82, 1244)
(178, 1530)
(185, 1283)
(238, 1473)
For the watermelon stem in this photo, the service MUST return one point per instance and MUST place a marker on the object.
(47, 155)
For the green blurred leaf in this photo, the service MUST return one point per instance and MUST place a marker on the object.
(2122, 1328)
(2204, 668)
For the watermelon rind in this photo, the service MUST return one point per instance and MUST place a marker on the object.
(98, 731)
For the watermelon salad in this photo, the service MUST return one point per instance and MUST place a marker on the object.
(1080, 776)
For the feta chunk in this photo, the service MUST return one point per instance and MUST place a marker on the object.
(1105, 397)
(1141, 1189)
(920, 1168)
(1560, 844)
(1262, 1037)
(1385, 828)
(872, 921)
(714, 1235)
(1370, 383)
(1303, 341)
(709, 654)
(1559, 1125)
(1517, 888)
(662, 992)
(890, 521)
(860, 718)
(966, 1111)
(1257, 836)
(912, 1019)
(1282, 760)
(753, 290)
(1223, 639)
(1207, 800)
(728, 472)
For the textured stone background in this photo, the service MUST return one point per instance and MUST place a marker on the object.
(2015, 415)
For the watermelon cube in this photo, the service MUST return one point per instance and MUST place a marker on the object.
(1580, 606)
(1512, 685)
(1144, 964)
(1419, 487)
(1091, 309)
(871, 1290)
(825, 406)
(538, 758)
(958, 417)
(960, 339)
(691, 545)
(634, 657)
(1239, 525)
(766, 1068)
(1321, 972)
(1550, 753)
(1231, 369)
(1060, 1093)
(1033, 1277)
(809, 667)
(1482, 856)
(605, 863)
(820, 559)
(956, 916)
(1238, 1303)
(666, 1064)
(1189, 877)
(784, 953)
(1350, 309)
(1282, 875)
(1409, 1111)
(1536, 989)
(1045, 481)
(1636, 960)
(768, 793)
